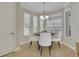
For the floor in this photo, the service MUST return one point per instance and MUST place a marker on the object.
(77, 45)
(26, 51)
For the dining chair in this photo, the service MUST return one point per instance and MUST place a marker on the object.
(45, 41)
(34, 38)
(58, 38)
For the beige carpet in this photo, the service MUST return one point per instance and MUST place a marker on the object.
(34, 52)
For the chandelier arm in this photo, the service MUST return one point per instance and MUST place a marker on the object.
(44, 9)
(44, 16)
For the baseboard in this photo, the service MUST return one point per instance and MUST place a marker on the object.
(6, 53)
(69, 46)
(17, 49)
(73, 49)
(24, 42)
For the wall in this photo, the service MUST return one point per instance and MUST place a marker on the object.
(20, 23)
(67, 40)
(71, 41)
(75, 23)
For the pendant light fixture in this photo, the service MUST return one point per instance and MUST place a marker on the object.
(44, 16)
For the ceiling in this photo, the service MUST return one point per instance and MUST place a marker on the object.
(38, 6)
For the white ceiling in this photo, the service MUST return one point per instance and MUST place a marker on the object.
(38, 6)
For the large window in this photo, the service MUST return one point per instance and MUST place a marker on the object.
(35, 24)
(41, 25)
(26, 24)
(54, 23)
(68, 22)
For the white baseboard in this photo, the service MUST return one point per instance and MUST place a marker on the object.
(68, 46)
(17, 49)
(5, 53)
(24, 42)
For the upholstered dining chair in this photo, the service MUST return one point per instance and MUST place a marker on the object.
(58, 38)
(45, 41)
(34, 38)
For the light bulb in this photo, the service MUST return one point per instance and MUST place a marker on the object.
(41, 17)
(46, 16)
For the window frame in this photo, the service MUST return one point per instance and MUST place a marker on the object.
(29, 23)
(65, 22)
(52, 21)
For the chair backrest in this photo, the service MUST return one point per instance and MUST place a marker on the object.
(45, 39)
(59, 35)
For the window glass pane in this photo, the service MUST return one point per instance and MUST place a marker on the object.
(41, 25)
(54, 23)
(68, 23)
(26, 24)
(35, 24)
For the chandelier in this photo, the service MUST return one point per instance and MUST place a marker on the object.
(44, 16)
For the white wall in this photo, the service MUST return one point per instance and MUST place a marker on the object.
(71, 41)
(20, 23)
(75, 23)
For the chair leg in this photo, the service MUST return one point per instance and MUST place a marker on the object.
(49, 50)
(30, 44)
(41, 48)
(38, 45)
(59, 44)
(51, 45)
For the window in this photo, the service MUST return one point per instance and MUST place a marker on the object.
(68, 23)
(26, 24)
(35, 24)
(49, 25)
(41, 25)
(54, 23)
